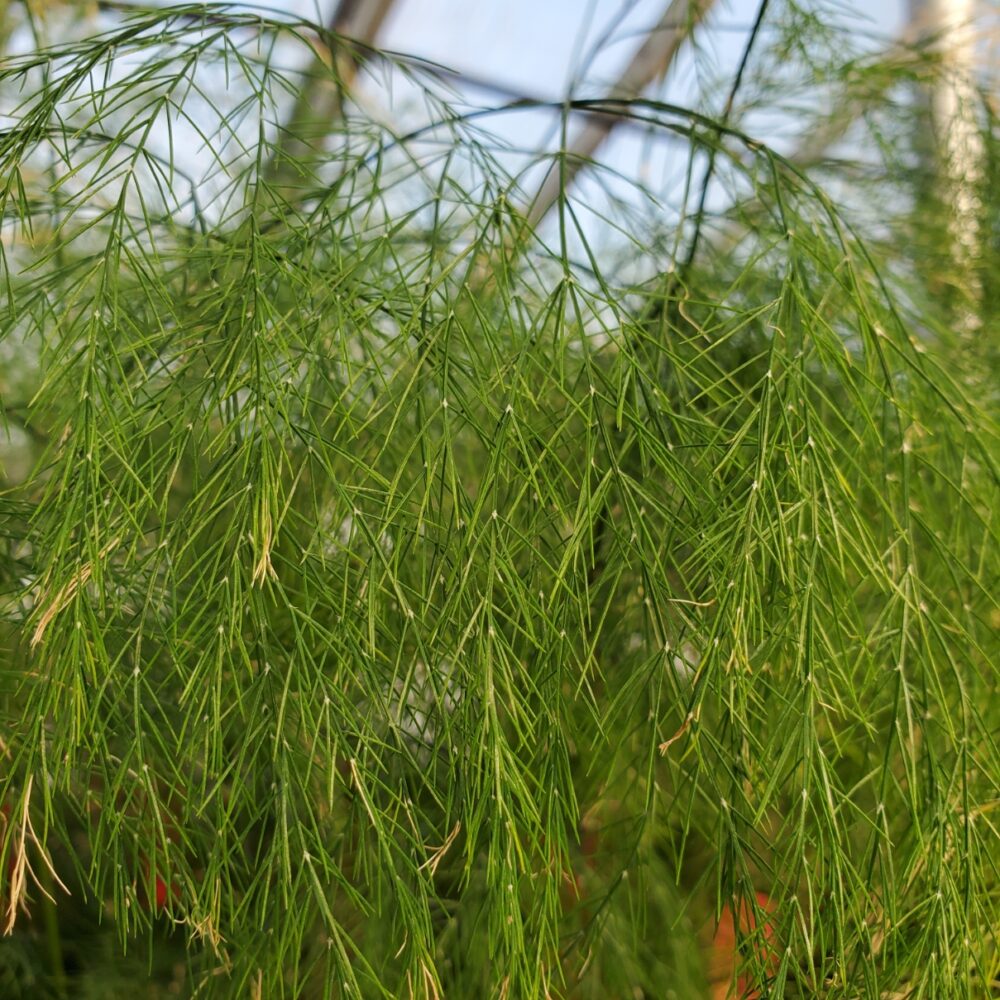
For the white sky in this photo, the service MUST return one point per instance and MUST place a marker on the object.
(536, 47)
(531, 43)
(542, 48)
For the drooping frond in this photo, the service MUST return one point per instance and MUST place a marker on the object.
(411, 601)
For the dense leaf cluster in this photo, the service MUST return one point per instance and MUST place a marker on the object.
(407, 601)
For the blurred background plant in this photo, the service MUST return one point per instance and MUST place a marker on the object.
(460, 540)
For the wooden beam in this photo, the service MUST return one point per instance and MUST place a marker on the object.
(361, 19)
(650, 62)
(319, 103)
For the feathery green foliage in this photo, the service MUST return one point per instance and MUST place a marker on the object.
(408, 602)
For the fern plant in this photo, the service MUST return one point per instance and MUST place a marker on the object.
(408, 600)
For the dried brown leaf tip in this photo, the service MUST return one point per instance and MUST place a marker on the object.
(58, 601)
(24, 840)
